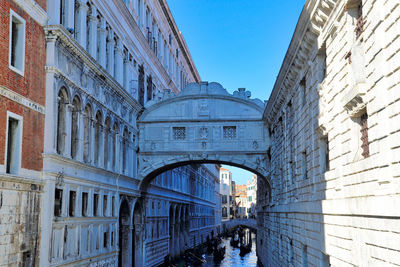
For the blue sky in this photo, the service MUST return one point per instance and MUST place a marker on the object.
(238, 43)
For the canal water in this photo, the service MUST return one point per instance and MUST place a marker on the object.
(232, 257)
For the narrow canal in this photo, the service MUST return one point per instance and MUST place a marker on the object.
(232, 257)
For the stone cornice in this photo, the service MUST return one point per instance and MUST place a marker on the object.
(33, 10)
(180, 40)
(301, 50)
(59, 32)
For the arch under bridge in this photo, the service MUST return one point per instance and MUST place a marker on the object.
(233, 223)
(203, 124)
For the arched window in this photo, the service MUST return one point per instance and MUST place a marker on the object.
(125, 144)
(97, 130)
(107, 126)
(87, 130)
(76, 108)
(61, 115)
(114, 145)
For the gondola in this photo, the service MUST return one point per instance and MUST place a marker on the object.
(244, 249)
(219, 254)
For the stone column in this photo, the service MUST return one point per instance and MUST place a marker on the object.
(127, 70)
(118, 69)
(92, 42)
(129, 160)
(50, 133)
(100, 160)
(110, 52)
(68, 128)
(102, 43)
(92, 139)
(118, 150)
(53, 9)
(81, 25)
(110, 149)
(69, 6)
(81, 130)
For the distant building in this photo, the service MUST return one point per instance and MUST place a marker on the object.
(232, 201)
(241, 201)
(252, 196)
(225, 190)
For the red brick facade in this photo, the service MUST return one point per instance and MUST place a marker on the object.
(30, 86)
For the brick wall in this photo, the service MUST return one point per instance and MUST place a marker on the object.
(30, 86)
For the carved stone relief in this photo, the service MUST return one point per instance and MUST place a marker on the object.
(203, 133)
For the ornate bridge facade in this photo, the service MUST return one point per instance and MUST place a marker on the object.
(203, 124)
(230, 224)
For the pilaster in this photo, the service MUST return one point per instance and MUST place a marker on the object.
(81, 26)
(102, 43)
(92, 42)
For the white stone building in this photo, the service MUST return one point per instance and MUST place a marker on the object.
(225, 190)
(105, 61)
(334, 124)
(252, 196)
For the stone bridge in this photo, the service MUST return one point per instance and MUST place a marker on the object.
(230, 224)
(203, 124)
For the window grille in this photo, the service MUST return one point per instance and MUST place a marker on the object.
(360, 22)
(364, 135)
(58, 202)
(179, 133)
(229, 132)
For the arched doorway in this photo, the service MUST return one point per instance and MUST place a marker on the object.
(137, 244)
(124, 225)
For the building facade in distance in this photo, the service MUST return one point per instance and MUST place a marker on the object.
(251, 188)
(225, 190)
(241, 201)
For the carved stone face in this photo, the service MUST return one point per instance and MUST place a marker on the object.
(203, 132)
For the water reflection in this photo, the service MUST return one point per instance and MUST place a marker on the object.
(232, 257)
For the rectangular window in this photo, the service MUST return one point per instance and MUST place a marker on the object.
(72, 199)
(58, 202)
(179, 133)
(303, 156)
(229, 132)
(95, 205)
(17, 43)
(324, 154)
(303, 87)
(364, 135)
(14, 130)
(85, 198)
(105, 237)
(112, 205)
(224, 199)
(105, 205)
(250, 198)
(112, 239)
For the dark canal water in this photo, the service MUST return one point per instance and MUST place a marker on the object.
(232, 257)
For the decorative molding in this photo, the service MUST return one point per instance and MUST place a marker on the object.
(4, 91)
(33, 10)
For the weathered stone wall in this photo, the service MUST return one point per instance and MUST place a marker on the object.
(345, 213)
(19, 222)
